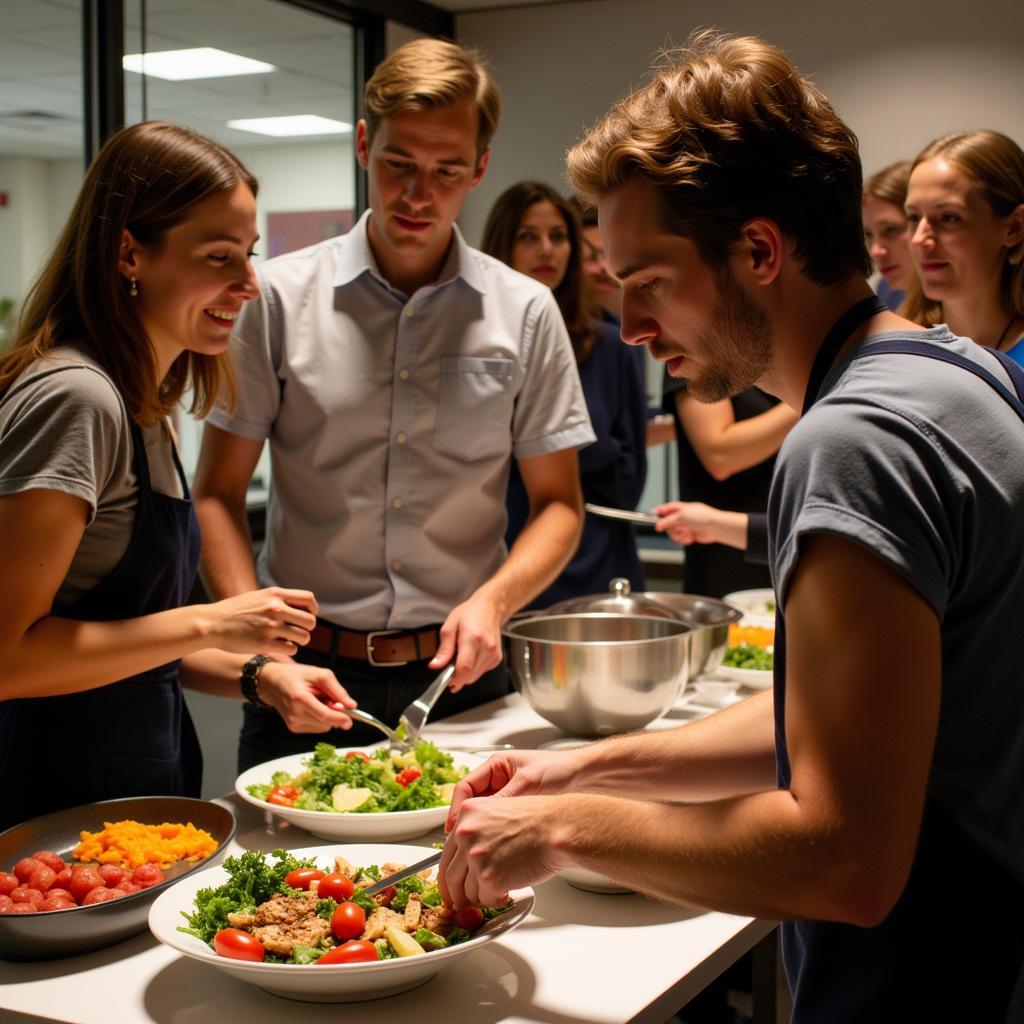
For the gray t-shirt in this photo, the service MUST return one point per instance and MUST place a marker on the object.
(922, 463)
(64, 427)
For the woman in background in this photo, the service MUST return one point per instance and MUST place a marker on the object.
(536, 231)
(886, 232)
(100, 541)
(965, 205)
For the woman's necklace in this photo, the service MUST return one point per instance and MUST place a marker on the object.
(1006, 329)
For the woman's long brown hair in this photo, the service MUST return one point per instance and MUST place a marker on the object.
(500, 237)
(147, 178)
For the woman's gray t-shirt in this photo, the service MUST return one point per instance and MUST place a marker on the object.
(64, 427)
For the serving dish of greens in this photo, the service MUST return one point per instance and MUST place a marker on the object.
(748, 664)
(298, 925)
(359, 793)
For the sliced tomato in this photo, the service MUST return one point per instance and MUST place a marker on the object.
(300, 878)
(238, 945)
(353, 754)
(469, 918)
(283, 796)
(408, 776)
(359, 951)
(336, 886)
(348, 921)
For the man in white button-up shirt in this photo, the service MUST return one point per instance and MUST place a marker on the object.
(396, 372)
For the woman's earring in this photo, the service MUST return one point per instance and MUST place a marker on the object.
(1016, 255)
(133, 291)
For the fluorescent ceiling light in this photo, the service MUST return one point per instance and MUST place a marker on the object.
(294, 124)
(202, 62)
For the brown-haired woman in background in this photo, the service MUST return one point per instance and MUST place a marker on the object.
(100, 541)
(886, 232)
(536, 231)
(965, 205)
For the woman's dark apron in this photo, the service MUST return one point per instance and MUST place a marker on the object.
(951, 949)
(133, 737)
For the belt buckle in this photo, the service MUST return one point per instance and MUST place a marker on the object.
(370, 637)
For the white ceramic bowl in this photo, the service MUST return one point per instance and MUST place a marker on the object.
(754, 678)
(758, 606)
(350, 825)
(327, 983)
(592, 881)
(717, 693)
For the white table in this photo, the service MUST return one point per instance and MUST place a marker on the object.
(580, 958)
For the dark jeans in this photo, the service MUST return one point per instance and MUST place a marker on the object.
(384, 692)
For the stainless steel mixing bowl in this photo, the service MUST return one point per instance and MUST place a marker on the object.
(598, 673)
(708, 617)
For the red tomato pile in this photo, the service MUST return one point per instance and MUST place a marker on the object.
(44, 882)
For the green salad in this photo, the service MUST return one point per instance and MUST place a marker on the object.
(748, 656)
(365, 783)
(278, 908)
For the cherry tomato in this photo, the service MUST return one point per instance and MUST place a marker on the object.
(146, 875)
(8, 883)
(22, 908)
(26, 894)
(43, 878)
(83, 880)
(348, 921)
(337, 887)
(58, 903)
(238, 945)
(408, 776)
(112, 875)
(24, 868)
(50, 859)
(357, 952)
(63, 879)
(283, 796)
(353, 754)
(5, 903)
(385, 896)
(100, 895)
(301, 877)
(128, 887)
(469, 918)
(60, 894)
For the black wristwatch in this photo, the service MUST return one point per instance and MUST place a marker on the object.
(250, 680)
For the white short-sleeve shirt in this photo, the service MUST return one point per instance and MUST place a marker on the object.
(392, 420)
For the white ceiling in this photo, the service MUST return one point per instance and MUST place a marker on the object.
(41, 70)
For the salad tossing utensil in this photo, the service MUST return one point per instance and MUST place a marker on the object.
(412, 869)
(414, 717)
(395, 741)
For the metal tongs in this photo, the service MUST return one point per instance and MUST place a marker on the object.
(414, 717)
(412, 869)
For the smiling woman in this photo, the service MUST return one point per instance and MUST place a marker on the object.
(101, 542)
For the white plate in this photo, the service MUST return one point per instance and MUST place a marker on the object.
(328, 983)
(591, 881)
(755, 678)
(350, 825)
(755, 606)
(622, 514)
(716, 693)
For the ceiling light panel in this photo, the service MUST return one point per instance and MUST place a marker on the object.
(294, 124)
(200, 62)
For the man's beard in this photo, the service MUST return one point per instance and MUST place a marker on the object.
(737, 344)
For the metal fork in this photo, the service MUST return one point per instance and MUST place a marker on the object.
(414, 717)
(396, 741)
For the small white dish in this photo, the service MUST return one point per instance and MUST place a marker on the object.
(385, 826)
(326, 983)
(758, 606)
(718, 693)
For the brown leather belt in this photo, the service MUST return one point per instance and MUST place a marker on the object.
(386, 648)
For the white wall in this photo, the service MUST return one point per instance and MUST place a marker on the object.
(899, 73)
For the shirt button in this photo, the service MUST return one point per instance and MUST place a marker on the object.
(396, 565)
(397, 503)
(399, 617)
(403, 374)
(408, 311)
(400, 437)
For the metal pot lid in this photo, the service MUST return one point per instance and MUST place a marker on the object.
(618, 599)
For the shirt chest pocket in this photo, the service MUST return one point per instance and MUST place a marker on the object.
(474, 418)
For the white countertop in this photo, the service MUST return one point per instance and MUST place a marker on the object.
(580, 958)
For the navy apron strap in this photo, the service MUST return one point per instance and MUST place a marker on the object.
(921, 348)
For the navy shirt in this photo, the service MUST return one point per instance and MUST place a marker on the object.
(612, 472)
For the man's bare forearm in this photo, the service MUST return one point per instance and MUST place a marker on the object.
(227, 566)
